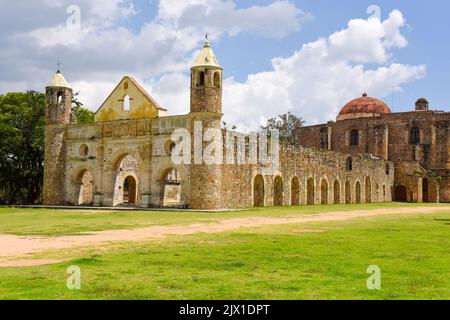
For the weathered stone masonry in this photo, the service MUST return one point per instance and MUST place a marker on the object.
(124, 158)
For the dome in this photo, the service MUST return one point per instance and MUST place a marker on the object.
(363, 107)
(206, 58)
(58, 80)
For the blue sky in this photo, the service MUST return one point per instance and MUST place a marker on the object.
(155, 41)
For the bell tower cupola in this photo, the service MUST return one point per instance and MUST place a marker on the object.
(206, 82)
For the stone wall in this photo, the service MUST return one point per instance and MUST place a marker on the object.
(389, 137)
(303, 164)
(100, 148)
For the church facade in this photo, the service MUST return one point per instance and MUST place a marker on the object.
(125, 158)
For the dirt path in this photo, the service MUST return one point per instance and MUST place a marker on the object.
(11, 246)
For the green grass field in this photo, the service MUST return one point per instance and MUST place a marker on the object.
(271, 262)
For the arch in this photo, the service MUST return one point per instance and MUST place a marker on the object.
(84, 150)
(59, 98)
(400, 193)
(324, 192)
(126, 182)
(202, 78)
(86, 188)
(295, 192)
(414, 136)
(354, 138)
(171, 188)
(388, 169)
(130, 190)
(368, 190)
(310, 192)
(217, 79)
(337, 192)
(126, 103)
(425, 190)
(349, 164)
(348, 193)
(258, 191)
(358, 192)
(278, 191)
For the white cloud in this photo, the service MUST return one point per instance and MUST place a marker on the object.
(313, 82)
(277, 19)
(104, 50)
(316, 81)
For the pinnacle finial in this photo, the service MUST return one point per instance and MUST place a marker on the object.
(207, 43)
(59, 64)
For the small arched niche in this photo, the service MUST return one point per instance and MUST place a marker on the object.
(84, 150)
(217, 80)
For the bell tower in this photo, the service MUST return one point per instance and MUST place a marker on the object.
(58, 104)
(206, 82)
(206, 117)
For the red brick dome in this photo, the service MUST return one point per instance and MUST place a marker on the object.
(363, 107)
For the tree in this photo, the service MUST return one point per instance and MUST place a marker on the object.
(286, 124)
(22, 147)
(83, 115)
(22, 120)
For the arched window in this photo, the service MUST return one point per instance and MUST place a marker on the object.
(354, 138)
(388, 169)
(59, 98)
(202, 78)
(125, 86)
(415, 136)
(217, 80)
(126, 103)
(349, 164)
(324, 138)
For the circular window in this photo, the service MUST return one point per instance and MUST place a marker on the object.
(84, 150)
(169, 146)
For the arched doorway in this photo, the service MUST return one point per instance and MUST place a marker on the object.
(86, 187)
(348, 193)
(368, 190)
(126, 190)
(310, 192)
(258, 191)
(337, 192)
(425, 190)
(278, 192)
(401, 193)
(130, 190)
(324, 192)
(358, 192)
(171, 188)
(295, 190)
